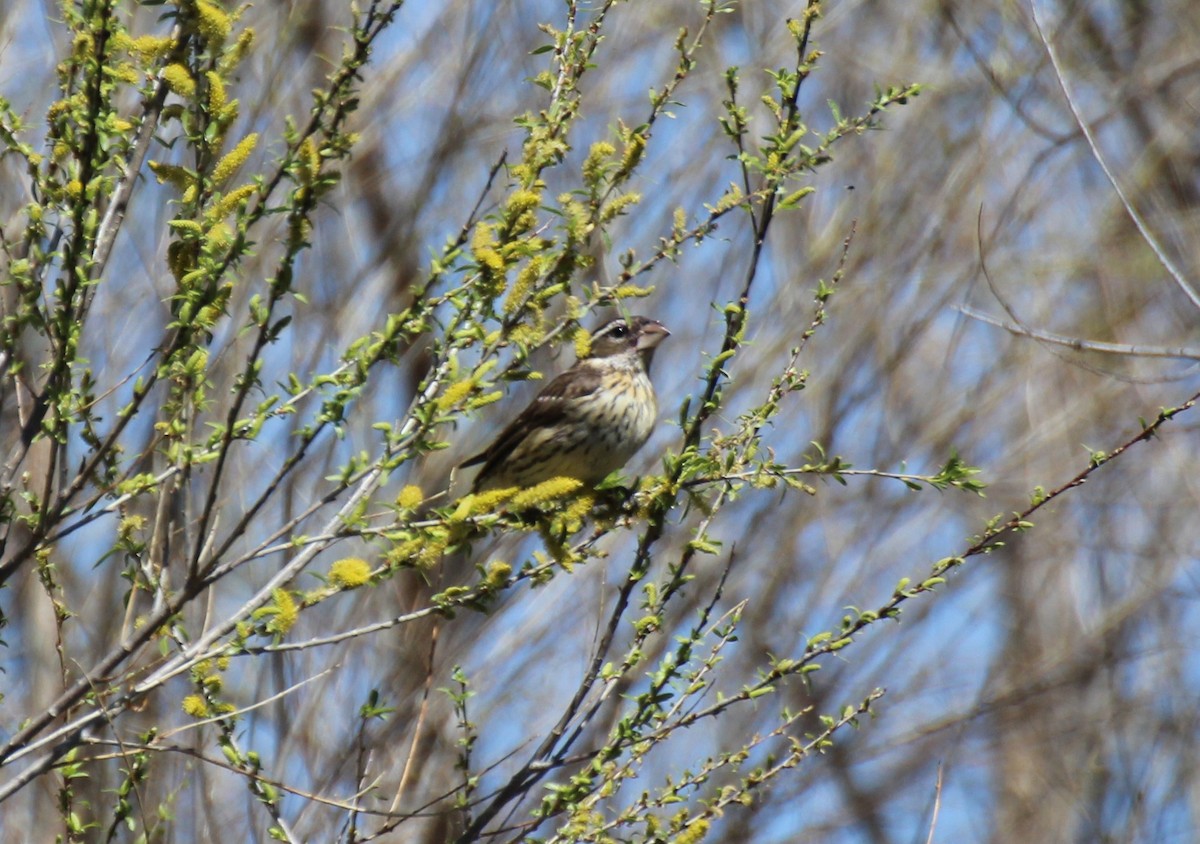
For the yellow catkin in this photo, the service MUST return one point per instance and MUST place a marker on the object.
(545, 492)
(635, 147)
(216, 92)
(483, 248)
(403, 553)
(497, 574)
(593, 166)
(526, 335)
(455, 394)
(309, 159)
(213, 22)
(220, 236)
(411, 496)
(523, 286)
(179, 79)
(619, 205)
(694, 833)
(176, 175)
(235, 158)
(350, 573)
(431, 554)
(230, 202)
(573, 514)
(583, 342)
(232, 57)
(523, 200)
(147, 47)
(576, 221)
(126, 73)
(285, 613)
(631, 291)
(228, 114)
(484, 502)
(196, 706)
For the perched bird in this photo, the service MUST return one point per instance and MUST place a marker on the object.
(588, 421)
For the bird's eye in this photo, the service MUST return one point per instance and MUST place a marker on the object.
(619, 331)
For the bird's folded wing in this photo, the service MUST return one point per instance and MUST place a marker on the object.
(544, 411)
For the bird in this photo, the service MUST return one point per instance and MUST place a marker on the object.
(588, 421)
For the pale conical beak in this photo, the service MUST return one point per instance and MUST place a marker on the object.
(651, 335)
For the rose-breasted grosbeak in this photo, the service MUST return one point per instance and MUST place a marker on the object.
(588, 421)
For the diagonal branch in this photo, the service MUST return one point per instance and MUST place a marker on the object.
(1142, 227)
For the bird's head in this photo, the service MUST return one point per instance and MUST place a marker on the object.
(628, 334)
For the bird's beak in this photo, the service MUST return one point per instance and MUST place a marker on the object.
(651, 335)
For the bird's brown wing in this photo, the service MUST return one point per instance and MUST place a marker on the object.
(545, 410)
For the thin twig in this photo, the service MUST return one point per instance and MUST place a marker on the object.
(937, 803)
(1124, 349)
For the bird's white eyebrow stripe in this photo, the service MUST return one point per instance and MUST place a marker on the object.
(612, 326)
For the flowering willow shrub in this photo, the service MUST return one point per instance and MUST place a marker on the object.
(242, 587)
